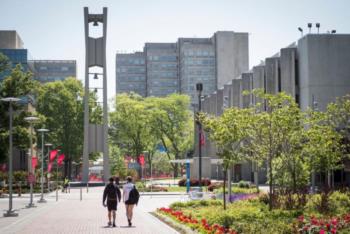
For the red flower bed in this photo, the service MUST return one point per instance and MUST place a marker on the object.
(203, 225)
(322, 226)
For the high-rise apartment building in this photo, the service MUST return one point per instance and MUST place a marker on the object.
(53, 70)
(197, 64)
(161, 68)
(131, 73)
(177, 67)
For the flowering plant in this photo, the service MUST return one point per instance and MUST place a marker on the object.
(202, 225)
(322, 226)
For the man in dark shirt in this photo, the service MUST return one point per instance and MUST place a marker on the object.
(113, 195)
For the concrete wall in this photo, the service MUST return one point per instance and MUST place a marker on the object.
(288, 62)
(236, 92)
(232, 55)
(247, 85)
(272, 75)
(10, 40)
(324, 69)
(219, 101)
(258, 83)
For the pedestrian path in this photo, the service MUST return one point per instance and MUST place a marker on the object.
(72, 215)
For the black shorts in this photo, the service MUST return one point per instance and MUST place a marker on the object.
(112, 205)
(129, 203)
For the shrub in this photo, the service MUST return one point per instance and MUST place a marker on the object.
(213, 186)
(3, 176)
(243, 184)
(339, 203)
(20, 176)
(194, 182)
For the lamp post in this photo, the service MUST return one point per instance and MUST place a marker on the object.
(48, 145)
(199, 88)
(31, 120)
(10, 212)
(42, 131)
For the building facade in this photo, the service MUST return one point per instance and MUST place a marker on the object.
(11, 45)
(161, 69)
(131, 73)
(53, 70)
(316, 68)
(177, 67)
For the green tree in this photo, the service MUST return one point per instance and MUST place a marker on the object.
(172, 123)
(323, 145)
(21, 85)
(275, 136)
(128, 124)
(228, 131)
(61, 103)
(339, 118)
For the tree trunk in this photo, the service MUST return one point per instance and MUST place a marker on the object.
(270, 182)
(176, 170)
(70, 169)
(224, 188)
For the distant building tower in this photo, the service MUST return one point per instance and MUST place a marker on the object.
(177, 67)
(162, 69)
(131, 73)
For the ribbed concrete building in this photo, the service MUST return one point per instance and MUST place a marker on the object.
(316, 68)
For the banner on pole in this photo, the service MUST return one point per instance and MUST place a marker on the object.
(60, 159)
(53, 154)
(34, 162)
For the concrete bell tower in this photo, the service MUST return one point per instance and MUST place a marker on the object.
(95, 135)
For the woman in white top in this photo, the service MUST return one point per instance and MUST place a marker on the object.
(128, 205)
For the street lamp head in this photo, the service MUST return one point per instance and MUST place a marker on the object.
(31, 119)
(300, 29)
(10, 99)
(199, 87)
(318, 25)
(95, 23)
(43, 130)
(95, 76)
(48, 144)
(333, 31)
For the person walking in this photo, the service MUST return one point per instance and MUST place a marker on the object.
(65, 184)
(112, 195)
(130, 198)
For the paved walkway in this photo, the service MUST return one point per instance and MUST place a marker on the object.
(70, 215)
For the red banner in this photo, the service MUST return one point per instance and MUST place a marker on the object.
(202, 139)
(3, 167)
(60, 159)
(34, 162)
(142, 160)
(49, 167)
(53, 154)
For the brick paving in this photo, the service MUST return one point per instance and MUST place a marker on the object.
(70, 215)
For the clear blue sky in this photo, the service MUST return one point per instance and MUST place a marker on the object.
(54, 29)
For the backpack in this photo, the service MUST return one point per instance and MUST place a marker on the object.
(134, 196)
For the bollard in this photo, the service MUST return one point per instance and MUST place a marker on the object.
(81, 193)
(87, 187)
